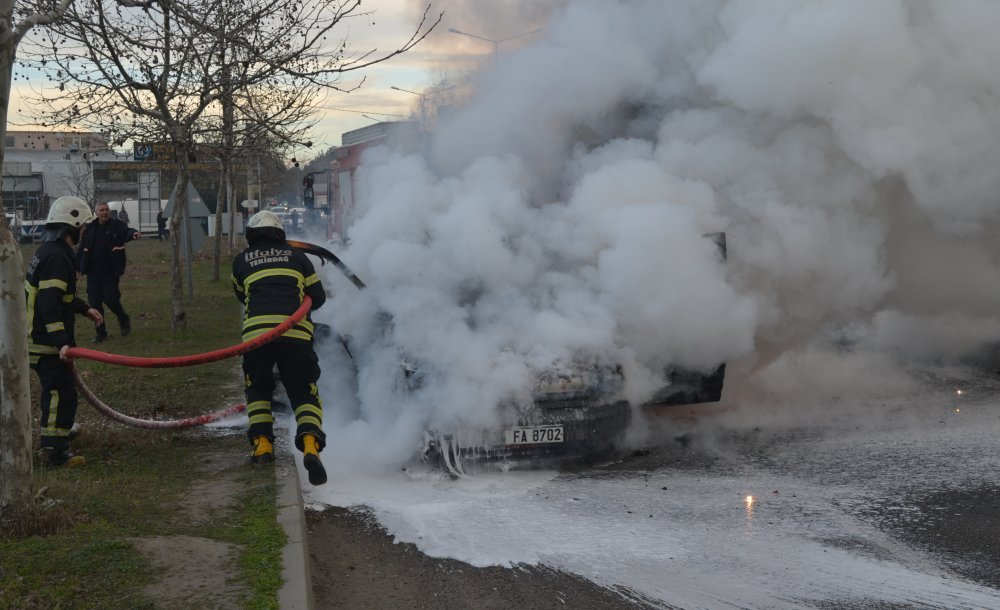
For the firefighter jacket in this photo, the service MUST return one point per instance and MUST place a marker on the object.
(50, 288)
(102, 247)
(270, 278)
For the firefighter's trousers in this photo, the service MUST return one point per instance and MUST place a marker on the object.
(298, 368)
(58, 400)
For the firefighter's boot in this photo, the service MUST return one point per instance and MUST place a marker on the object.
(310, 458)
(54, 457)
(263, 451)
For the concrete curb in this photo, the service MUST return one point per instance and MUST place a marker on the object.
(296, 589)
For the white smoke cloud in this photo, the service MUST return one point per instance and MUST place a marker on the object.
(847, 149)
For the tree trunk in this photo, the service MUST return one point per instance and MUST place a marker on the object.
(234, 210)
(17, 483)
(178, 317)
(17, 503)
(217, 221)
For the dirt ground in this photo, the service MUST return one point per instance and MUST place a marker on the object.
(356, 564)
(195, 572)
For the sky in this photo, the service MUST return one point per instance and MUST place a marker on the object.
(382, 26)
(443, 55)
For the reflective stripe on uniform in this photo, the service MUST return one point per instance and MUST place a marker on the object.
(237, 284)
(309, 419)
(259, 412)
(32, 297)
(54, 326)
(273, 320)
(258, 405)
(261, 418)
(294, 334)
(306, 409)
(42, 350)
(49, 426)
(253, 277)
(61, 284)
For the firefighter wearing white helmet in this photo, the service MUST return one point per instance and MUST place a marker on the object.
(270, 278)
(265, 218)
(50, 291)
(66, 216)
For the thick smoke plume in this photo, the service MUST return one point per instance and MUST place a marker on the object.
(847, 149)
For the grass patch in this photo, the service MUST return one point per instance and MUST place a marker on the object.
(255, 531)
(138, 483)
(213, 321)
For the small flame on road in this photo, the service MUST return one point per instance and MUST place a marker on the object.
(749, 501)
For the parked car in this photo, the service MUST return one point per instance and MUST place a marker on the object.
(14, 223)
(294, 220)
(24, 232)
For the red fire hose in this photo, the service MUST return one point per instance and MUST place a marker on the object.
(175, 361)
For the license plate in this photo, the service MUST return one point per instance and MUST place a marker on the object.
(532, 435)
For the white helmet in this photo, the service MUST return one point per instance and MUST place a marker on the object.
(264, 219)
(71, 211)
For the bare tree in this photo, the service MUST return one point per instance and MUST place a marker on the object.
(258, 124)
(80, 179)
(275, 64)
(17, 505)
(136, 73)
(138, 68)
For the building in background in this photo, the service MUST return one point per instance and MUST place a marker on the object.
(341, 180)
(41, 166)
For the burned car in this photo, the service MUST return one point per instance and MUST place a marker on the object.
(574, 412)
(576, 416)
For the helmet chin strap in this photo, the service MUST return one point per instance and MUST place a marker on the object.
(57, 232)
(54, 233)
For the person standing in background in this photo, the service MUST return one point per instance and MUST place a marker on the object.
(161, 226)
(123, 215)
(101, 257)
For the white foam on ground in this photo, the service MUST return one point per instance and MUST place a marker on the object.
(690, 538)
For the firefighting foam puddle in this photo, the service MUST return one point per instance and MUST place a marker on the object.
(782, 527)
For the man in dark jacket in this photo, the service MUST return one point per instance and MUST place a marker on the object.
(50, 289)
(101, 257)
(161, 226)
(270, 278)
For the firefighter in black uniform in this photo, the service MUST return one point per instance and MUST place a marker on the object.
(270, 278)
(50, 288)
